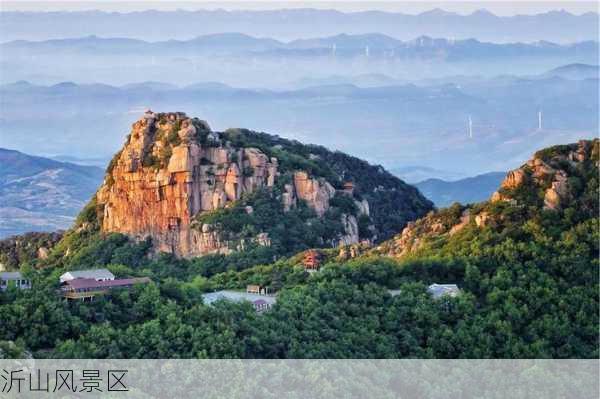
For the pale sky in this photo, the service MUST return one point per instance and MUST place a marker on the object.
(498, 7)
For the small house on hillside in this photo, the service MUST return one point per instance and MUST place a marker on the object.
(88, 288)
(439, 290)
(259, 289)
(348, 188)
(312, 260)
(15, 279)
(259, 302)
(260, 305)
(95, 274)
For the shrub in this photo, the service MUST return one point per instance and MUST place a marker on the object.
(248, 171)
(150, 160)
(165, 155)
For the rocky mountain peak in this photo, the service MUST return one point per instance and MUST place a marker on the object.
(172, 168)
(174, 175)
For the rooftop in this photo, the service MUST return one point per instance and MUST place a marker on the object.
(81, 283)
(236, 296)
(11, 276)
(438, 290)
(87, 274)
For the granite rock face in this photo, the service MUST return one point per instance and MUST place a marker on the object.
(549, 172)
(173, 168)
(316, 192)
(144, 195)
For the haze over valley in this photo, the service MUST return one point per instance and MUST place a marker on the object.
(399, 125)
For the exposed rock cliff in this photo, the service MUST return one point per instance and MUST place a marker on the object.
(173, 171)
(316, 192)
(547, 174)
(164, 176)
(553, 180)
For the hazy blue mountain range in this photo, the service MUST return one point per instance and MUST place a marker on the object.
(364, 80)
(469, 190)
(417, 173)
(99, 162)
(575, 71)
(569, 72)
(245, 61)
(41, 194)
(342, 45)
(392, 125)
(288, 24)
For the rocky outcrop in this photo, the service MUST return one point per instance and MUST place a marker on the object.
(363, 207)
(353, 251)
(43, 253)
(465, 219)
(558, 193)
(416, 234)
(316, 192)
(351, 229)
(547, 174)
(483, 219)
(513, 179)
(174, 168)
(549, 171)
(148, 193)
(288, 197)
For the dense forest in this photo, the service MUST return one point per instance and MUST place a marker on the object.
(529, 288)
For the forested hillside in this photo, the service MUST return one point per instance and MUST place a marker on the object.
(526, 264)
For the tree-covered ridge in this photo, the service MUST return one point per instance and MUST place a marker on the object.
(25, 248)
(528, 279)
(556, 189)
(392, 202)
(287, 232)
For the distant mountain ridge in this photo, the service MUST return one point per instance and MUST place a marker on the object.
(342, 45)
(41, 194)
(427, 124)
(289, 24)
(576, 71)
(414, 174)
(465, 191)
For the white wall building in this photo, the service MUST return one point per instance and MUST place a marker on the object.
(96, 274)
(439, 290)
(13, 278)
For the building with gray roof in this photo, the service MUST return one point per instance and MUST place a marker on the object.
(260, 302)
(440, 290)
(14, 278)
(96, 274)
